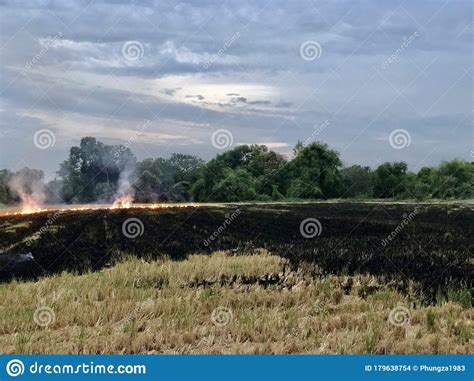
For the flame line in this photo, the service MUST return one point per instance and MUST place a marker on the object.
(114, 206)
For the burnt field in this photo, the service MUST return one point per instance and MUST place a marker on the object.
(432, 249)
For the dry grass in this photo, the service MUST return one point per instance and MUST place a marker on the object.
(166, 307)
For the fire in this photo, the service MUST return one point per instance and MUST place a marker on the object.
(123, 202)
(29, 204)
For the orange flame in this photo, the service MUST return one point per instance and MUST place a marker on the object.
(80, 208)
(29, 204)
(122, 202)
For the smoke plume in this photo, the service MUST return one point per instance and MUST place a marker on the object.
(125, 192)
(27, 185)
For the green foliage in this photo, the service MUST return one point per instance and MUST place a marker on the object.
(248, 172)
(93, 169)
(166, 179)
(5, 196)
(237, 185)
(357, 181)
(453, 180)
(240, 175)
(390, 180)
(314, 172)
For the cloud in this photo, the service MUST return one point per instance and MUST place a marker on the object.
(194, 76)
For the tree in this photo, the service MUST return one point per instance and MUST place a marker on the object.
(93, 169)
(314, 172)
(166, 179)
(209, 175)
(70, 172)
(357, 181)
(5, 196)
(255, 165)
(153, 179)
(264, 165)
(390, 180)
(453, 179)
(237, 185)
(185, 167)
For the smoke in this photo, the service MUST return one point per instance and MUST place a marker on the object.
(27, 185)
(125, 192)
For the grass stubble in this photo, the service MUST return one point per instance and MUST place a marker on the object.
(224, 304)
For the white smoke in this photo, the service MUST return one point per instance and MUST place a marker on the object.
(28, 186)
(125, 192)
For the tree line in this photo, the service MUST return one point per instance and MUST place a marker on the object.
(94, 171)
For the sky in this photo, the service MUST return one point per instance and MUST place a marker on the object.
(376, 80)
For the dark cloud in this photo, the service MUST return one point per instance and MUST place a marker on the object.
(259, 103)
(171, 92)
(199, 97)
(380, 66)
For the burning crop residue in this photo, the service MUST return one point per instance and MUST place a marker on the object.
(81, 208)
(123, 202)
(27, 185)
(125, 192)
(30, 192)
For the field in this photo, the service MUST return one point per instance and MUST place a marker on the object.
(255, 278)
